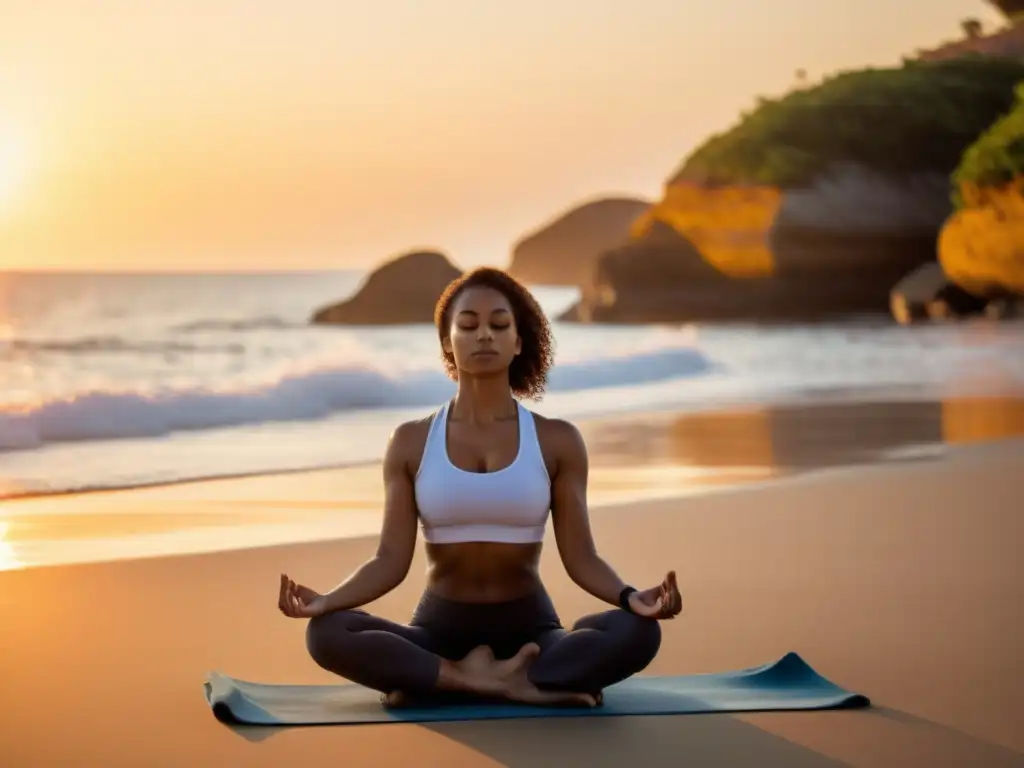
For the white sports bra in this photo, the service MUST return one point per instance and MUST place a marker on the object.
(509, 505)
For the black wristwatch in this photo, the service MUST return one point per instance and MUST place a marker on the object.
(624, 598)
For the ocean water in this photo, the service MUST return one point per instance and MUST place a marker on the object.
(117, 380)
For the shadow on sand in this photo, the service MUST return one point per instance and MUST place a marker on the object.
(702, 739)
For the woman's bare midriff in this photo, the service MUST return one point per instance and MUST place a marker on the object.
(483, 572)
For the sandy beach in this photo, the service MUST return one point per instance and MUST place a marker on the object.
(897, 579)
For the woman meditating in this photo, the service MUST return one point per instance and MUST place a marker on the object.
(480, 477)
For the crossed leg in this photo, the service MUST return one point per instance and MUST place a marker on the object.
(600, 650)
(400, 660)
(374, 652)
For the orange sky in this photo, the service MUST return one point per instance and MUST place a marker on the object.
(249, 134)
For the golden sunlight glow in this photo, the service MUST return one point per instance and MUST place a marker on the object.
(14, 161)
(8, 559)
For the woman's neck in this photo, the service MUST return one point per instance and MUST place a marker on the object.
(483, 401)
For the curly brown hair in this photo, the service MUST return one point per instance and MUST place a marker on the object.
(528, 373)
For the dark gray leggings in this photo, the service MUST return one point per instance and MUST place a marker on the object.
(600, 650)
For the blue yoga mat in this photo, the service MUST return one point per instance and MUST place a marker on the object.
(787, 684)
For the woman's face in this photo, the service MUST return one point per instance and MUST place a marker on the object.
(482, 336)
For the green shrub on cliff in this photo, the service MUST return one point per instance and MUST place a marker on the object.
(918, 117)
(996, 158)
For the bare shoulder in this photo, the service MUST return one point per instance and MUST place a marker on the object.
(558, 432)
(407, 442)
(411, 433)
(561, 441)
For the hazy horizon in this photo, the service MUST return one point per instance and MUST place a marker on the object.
(242, 136)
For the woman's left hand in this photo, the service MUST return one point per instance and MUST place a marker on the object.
(660, 602)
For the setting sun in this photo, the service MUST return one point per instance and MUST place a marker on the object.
(13, 161)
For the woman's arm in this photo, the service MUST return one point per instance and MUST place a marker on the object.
(390, 565)
(570, 518)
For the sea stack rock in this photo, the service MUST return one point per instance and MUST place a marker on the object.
(927, 293)
(402, 290)
(563, 251)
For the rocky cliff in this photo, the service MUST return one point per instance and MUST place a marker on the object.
(812, 206)
(563, 251)
(402, 290)
(981, 247)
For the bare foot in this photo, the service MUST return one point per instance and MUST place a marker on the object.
(479, 661)
(520, 689)
(403, 700)
(480, 673)
(514, 673)
(393, 700)
(483, 675)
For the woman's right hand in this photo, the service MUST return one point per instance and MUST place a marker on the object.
(299, 602)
